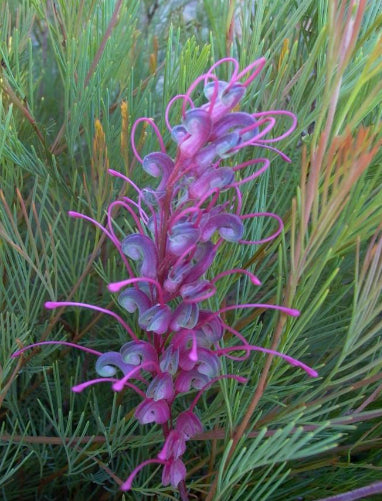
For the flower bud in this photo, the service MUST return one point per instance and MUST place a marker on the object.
(156, 319)
(188, 380)
(169, 360)
(174, 446)
(161, 387)
(151, 411)
(173, 473)
(107, 364)
(188, 424)
(136, 353)
(141, 248)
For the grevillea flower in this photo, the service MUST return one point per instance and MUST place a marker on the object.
(181, 226)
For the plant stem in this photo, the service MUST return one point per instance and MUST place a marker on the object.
(183, 491)
(369, 490)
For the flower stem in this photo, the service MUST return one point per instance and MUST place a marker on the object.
(183, 491)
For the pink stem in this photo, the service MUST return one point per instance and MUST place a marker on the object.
(115, 173)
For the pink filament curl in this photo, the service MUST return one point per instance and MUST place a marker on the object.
(126, 206)
(194, 84)
(126, 486)
(234, 75)
(51, 305)
(258, 64)
(157, 133)
(283, 309)
(267, 239)
(169, 106)
(292, 361)
(65, 343)
(277, 112)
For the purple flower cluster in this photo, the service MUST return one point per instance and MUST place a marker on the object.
(181, 225)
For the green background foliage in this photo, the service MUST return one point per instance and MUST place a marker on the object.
(74, 76)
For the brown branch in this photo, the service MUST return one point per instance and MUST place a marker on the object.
(29, 439)
(101, 48)
(22, 106)
(369, 490)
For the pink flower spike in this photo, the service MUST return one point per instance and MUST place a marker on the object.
(126, 486)
(51, 305)
(242, 339)
(254, 175)
(255, 140)
(161, 387)
(80, 387)
(65, 343)
(157, 133)
(142, 249)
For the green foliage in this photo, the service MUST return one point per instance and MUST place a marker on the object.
(74, 76)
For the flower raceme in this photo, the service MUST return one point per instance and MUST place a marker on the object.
(181, 226)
